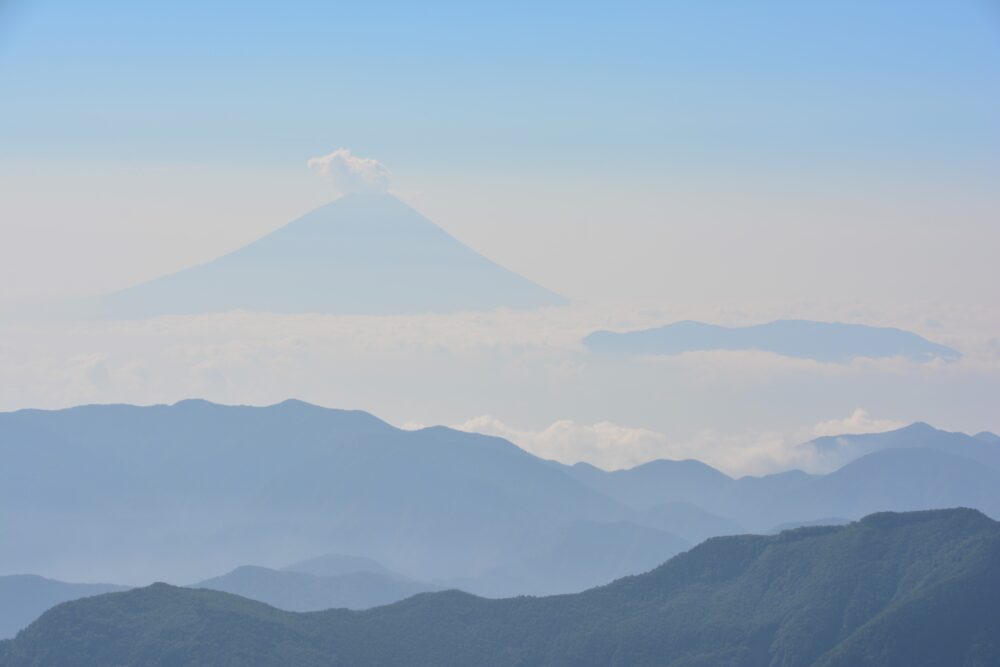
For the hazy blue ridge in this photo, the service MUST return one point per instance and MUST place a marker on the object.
(919, 589)
(915, 467)
(297, 591)
(833, 342)
(332, 565)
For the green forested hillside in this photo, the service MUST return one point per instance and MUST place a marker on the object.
(912, 589)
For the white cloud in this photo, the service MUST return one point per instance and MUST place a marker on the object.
(747, 452)
(351, 173)
(859, 422)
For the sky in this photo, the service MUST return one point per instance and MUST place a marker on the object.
(649, 160)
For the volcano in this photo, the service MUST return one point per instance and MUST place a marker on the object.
(362, 254)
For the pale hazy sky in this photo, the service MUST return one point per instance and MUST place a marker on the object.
(650, 160)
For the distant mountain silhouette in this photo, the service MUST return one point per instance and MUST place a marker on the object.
(361, 254)
(821, 341)
(574, 556)
(296, 591)
(919, 589)
(914, 468)
(983, 447)
(332, 565)
(688, 521)
(653, 483)
(24, 597)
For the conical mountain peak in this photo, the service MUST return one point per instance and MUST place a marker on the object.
(362, 254)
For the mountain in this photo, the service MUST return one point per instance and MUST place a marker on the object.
(653, 483)
(840, 449)
(919, 589)
(24, 597)
(191, 489)
(332, 565)
(295, 591)
(832, 342)
(362, 254)
(688, 521)
(986, 436)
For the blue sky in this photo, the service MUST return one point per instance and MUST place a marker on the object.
(773, 85)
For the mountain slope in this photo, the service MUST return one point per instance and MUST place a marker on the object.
(822, 341)
(918, 589)
(296, 591)
(361, 254)
(23, 598)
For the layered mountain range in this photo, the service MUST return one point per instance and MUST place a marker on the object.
(229, 495)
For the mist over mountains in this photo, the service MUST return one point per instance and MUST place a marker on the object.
(362, 254)
(192, 490)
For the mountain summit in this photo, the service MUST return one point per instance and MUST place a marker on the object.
(362, 254)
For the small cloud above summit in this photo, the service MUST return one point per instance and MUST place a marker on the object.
(351, 173)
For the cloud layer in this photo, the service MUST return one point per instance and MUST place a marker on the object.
(350, 173)
(743, 412)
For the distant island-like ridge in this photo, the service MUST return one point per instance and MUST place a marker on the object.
(832, 342)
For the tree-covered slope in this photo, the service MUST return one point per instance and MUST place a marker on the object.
(912, 589)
